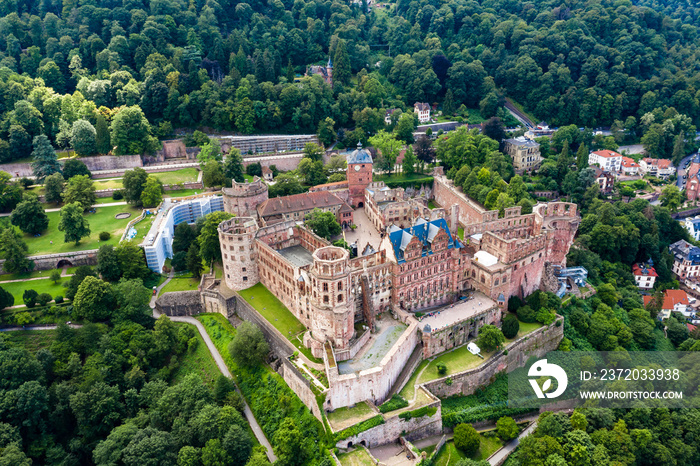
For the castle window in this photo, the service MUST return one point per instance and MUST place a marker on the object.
(325, 287)
(340, 286)
(325, 299)
(243, 269)
(340, 298)
(245, 279)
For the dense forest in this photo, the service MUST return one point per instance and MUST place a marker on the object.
(230, 66)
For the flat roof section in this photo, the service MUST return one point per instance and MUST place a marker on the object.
(299, 256)
(379, 344)
(457, 312)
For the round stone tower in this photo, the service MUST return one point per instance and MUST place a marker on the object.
(242, 199)
(332, 312)
(237, 238)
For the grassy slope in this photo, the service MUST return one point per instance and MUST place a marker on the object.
(40, 286)
(199, 361)
(33, 341)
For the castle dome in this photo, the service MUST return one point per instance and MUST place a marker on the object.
(359, 155)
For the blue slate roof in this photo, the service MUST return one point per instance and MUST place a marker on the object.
(696, 224)
(359, 156)
(425, 231)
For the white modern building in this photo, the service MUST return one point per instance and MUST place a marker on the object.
(158, 245)
(693, 227)
(608, 160)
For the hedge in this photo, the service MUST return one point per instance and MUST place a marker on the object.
(415, 183)
(359, 428)
(396, 402)
(420, 412)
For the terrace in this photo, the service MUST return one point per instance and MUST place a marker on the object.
(376, 348)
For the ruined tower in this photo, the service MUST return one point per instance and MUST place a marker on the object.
(237, 238)
(242, 199)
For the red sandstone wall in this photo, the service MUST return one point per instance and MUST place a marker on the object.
(469, 212)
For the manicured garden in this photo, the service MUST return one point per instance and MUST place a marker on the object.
(457, 360)
(185, 282)
(51, 241)
(199, 361)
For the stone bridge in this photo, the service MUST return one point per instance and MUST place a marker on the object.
(57, 261)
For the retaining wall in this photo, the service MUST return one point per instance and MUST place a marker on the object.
(283, 162)
(282, 347)
(395, 427)
(300, 385)
(537, 343)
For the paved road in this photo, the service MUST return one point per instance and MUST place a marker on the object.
(500, 456)
(257, 430)
(36, 327)
(680, 171)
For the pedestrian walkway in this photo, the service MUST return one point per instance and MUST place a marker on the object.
(257, 430)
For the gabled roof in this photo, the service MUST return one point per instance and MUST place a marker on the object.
(298, 202)
(673, 297)
(628, 162)
(421, 106)
(425, 231)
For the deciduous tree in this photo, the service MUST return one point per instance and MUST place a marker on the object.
(83, 139)
(29, 216)
(249, 347)
(53, 188)
(72, 223)
(14, 251)
(81, 190)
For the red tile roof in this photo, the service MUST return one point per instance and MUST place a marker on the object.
(644, 271)
(628, 162)
(298, 202)
(607, 153)
(671, 298)
(691, 327)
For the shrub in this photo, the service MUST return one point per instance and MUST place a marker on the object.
(26, 182)
(55, 276)
(358, 428)
(43, 299)
(105, 235)
(466, 439)
(506, 428)
(118, 195)
(396, 402)
(441, 368)
(58, 299)
(511, 326)
(29, 297)
(527, 314)
(514, 303)
(420, 412)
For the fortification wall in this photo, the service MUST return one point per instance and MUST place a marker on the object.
(279, 345)
(446, 195)
(300, 385)
(112, 162)
(375, 383)
(537, 344)
(55, 261)
(283, 162)
(394, 427)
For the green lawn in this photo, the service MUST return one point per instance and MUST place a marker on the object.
(400, 177)
(457, 360)
(343, 418)
(273, 310)
(35, 274)
(450, 455)
(525, 328)
(40, 286)
(432, 204)
(408, 390)
(102, 220)
(110, 183)
(357, 457)
(32, 340)
(183, 283)
(182, 192)
(183, 175)
(199, 361)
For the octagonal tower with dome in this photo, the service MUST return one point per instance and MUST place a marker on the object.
(359, 175)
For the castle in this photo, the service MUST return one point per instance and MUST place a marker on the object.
(416, 283)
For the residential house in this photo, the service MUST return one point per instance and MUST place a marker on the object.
(604, 179)
(693, 226)
(674, 301)
(644, 276)
(423, 111)
(686, 260)
(389, 113)
(524, 152)
(325, 72)
(629, 166)
(663, 168)
(267, 174)
(608, 160)
(692, 188)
